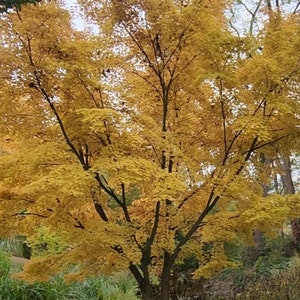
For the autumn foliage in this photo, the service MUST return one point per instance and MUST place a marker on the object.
(144, 144)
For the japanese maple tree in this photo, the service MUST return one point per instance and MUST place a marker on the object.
(141, 144)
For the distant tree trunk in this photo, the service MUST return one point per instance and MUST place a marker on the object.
(258, 236)
(258, 249)
(276, 184)
(289, 188)
(286, 176)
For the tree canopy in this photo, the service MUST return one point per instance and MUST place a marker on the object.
(146, 144)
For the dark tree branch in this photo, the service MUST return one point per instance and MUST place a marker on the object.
(39, 87)
(268, 143)
(104, 185)
(296, 8)
(136, 273)
(155, 225)
(147, 81)
(187, 198)
(123, 193)
(100, 211)
(29, 214)
(119, 249)
(223, 119)
(157, 72)
(87, 89)
(78, 223)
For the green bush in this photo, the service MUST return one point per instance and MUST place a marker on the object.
(4, 265)
(282, 284)
(46, 242)
(117, 287)
(268, 264)
(13, 245)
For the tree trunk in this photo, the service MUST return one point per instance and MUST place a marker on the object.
(295, 226)
(165, 285)
(286, 176)
(143, 280)
(258, 237)
(289, 188)
(165, 278)
(147, 291)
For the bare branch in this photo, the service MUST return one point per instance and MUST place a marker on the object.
(23, 214)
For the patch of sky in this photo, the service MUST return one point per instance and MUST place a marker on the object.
(78, 21)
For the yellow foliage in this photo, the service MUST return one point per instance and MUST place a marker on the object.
(144, 144)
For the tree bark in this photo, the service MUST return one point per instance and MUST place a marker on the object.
(147, 292)
(289, 188)
(143, 281)
(165, 278)
(286, 176)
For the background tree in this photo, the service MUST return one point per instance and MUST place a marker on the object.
(142, 143)
(275, 11)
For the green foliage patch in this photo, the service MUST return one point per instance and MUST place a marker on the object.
(119, 287)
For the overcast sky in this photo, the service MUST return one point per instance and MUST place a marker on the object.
(77, 20)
